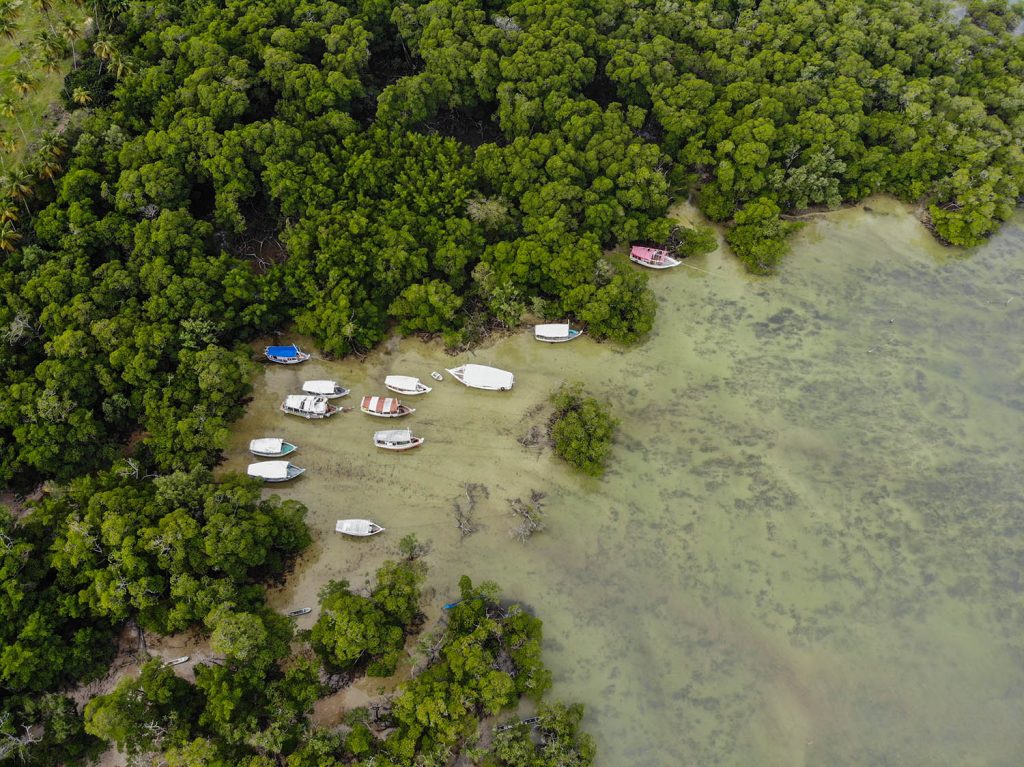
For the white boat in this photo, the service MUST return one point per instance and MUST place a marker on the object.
(406, 385)
(285, 355)
(437, 376)
(300, 611)
(384, 407)
(308, 406)
(396, 439)
(483, 377)
(176, 661)
(652, 258)
(274, 471)
(359, 527)
(329, 389)
(555, 334)
(271, 447)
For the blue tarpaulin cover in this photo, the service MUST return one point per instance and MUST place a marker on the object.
(283, 351)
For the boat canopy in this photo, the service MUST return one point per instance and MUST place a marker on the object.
(267, 445)
(381, 404)
(393, 435)
(647, 254)
(484, 377)
(283, 351)
(560, 330)
(269, 469)
(305, 404)
(409, 383)
(320, 387)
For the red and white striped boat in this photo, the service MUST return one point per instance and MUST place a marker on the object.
(385, 407)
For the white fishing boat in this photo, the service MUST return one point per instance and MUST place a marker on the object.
(406, 385)
(300, 611)
(437, 376)
(285, 355)
(396, 439)
(274, 471)
(358, 527)
(308, 406)
(329, 389)
(483, 377)
(176, 661)
(555, 334)
(652, 258)
(271, 447)
(385, 407)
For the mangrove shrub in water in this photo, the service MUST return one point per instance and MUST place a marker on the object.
(582, 429)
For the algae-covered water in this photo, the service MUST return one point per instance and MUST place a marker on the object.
(808, 547)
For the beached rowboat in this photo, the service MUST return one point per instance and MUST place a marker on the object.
(300, 611)
(555, 334)
(308, 406)
(437, 376)
(396, 439)
(384, 407)
(406, 385)
(285, 355)
(329, 389)
(274, 471)
(483, 377)
(176, 661)
(271, 447)
(358, 527)
(652, 258)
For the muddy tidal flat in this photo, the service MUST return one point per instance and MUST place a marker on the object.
(809, 546)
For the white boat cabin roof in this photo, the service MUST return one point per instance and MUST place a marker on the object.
(267, 445)
(320, 387)
(486, 377)
(402, 382)
(269, 469)
(558, 330)
(305, 403)
(393, 435)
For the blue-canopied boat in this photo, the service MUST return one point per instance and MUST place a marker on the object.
(285, 355)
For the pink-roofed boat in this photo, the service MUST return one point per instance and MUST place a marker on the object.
(652, 258)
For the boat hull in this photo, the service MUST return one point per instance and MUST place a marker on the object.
(301, 357)
(573, 335)
(334, 395)
(303, 414)
(286, 449)
(667, 263)
(409, 392)
(399, 447)
(493, 379)
(360, 528)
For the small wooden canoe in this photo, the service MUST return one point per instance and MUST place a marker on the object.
(396, 439)
(384, 407)
(285, 355)
(329, 389)
(437, 376)
(358, 527)
(274, 471)
(406, 385)
(176, 661)
(271, 447)
(300, 611)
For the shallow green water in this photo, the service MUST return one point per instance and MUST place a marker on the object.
(808, 550)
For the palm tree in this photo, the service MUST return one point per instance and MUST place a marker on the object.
(9, 108)
(52, 146)
(8, 237)
(23, 83)
(67, 29)
(81, 96)
(103, 49)
(8, 210)
(50, 43)
(8, 28)
(122, 67)
(19, 185)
